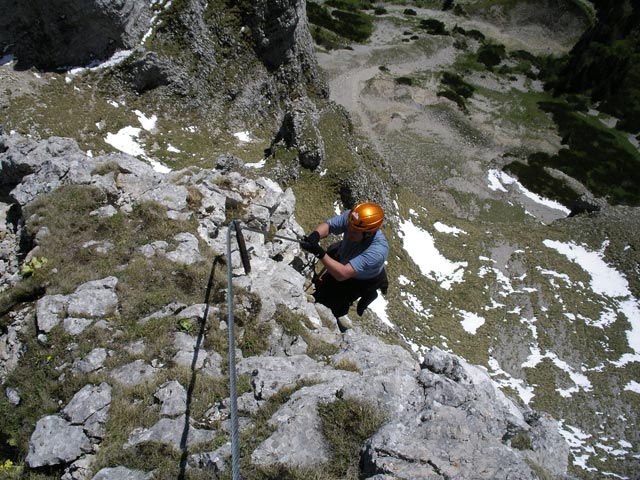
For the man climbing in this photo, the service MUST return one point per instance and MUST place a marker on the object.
(355, 265)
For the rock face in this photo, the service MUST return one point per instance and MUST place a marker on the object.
(281, 33)
(299, 130)
(463, 430)
(71, 32)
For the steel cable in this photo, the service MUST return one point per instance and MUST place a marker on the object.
(233, 402)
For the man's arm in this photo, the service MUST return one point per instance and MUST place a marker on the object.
(323, 229)
(337, 270)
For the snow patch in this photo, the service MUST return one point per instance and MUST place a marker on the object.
(471, 322)
(420, 246)
(244, 137)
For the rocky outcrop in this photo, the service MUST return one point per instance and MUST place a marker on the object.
(281, 34)
(71, 32)
(149, 71)
(299, 130)
(440, 437)
(444, 417)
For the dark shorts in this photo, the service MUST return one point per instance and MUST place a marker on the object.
(339, 296)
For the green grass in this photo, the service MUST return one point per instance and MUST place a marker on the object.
(347, 424)
(40, 390)
(298, 325)
(350, 5)
(146, 284)
(350, 24)
(433, 26)
(600, 157)
(327, 39)
(405, 81)
(456, 89)
(596, 155)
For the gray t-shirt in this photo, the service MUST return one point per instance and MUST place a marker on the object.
(367, 257)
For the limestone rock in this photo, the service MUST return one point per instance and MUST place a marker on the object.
(299, 130)
(13, 396)
(151, 71)
(170, 432)
(122, 473)
(93, 361)
(94, 299)
(132, 373)
(35, 168)
(55, 441)
(187, 252)
(89, 401)
(214, 461)
(50, 310)
(173, 398)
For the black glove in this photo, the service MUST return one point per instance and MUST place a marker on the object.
(313, 237)
(311, 245)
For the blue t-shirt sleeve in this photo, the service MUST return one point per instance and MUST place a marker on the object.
(339, 223)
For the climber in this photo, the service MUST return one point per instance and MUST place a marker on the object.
(355, 265)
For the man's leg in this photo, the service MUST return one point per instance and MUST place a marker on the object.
(331, 293)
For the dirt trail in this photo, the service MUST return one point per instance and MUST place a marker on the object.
(429, 144)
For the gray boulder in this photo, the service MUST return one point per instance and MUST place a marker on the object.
(170, 431)
(80, 469)
(173, 399)
(187, 251)
(94, 299)
(460, 430)
(587, 203)
(445, 417)
(228, 163)
(88, 402)
(93, 361)
(132, 373)
(13, 396)
(35, 168)
(188, 353)
(299, 130)
(75, 326)
(50, 310)
(56, 441)
(122, 473)
(214, 461)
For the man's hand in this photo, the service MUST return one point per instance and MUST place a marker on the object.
(313, 237)
(311, 245)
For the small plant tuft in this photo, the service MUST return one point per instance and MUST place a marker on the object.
(347, 424)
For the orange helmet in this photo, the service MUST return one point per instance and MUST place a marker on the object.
(366, 217)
